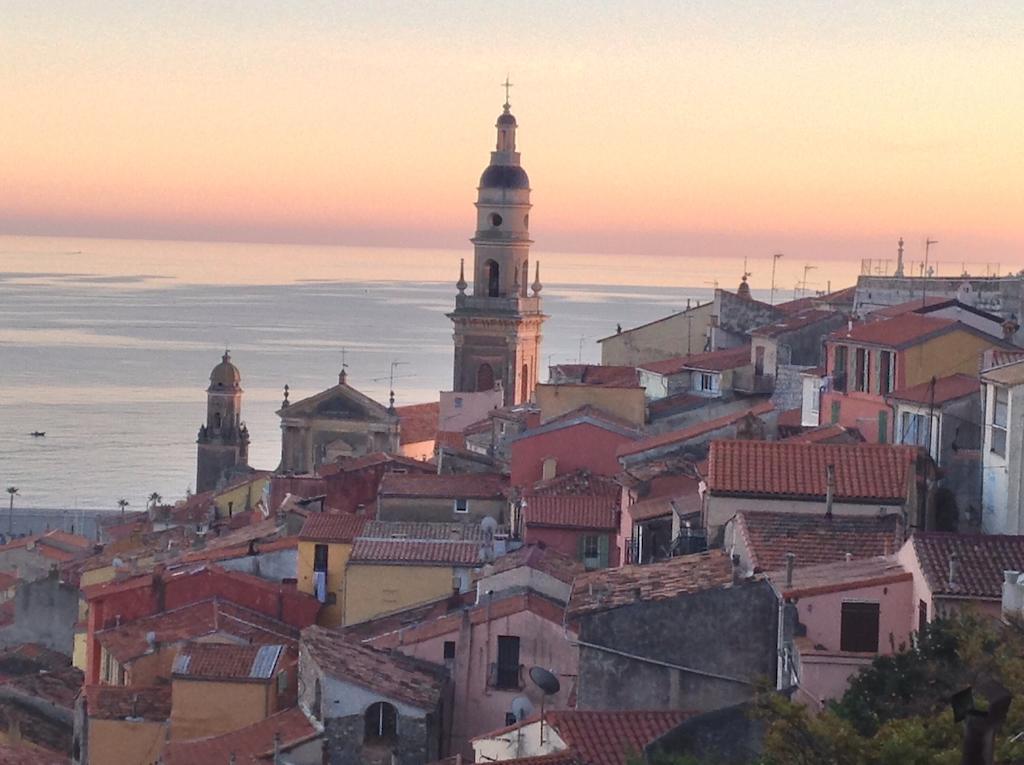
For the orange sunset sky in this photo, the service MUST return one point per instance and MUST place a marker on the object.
(692, 127)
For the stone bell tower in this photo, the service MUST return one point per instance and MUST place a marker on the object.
(498, 325)
(223, 442)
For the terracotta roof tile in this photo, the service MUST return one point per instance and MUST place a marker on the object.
(982, 559)
(693, 431)
(594, 374)
(659, 494)
(249, 744)
(24, 755)
(332, 527)
(623, 586)
(579, 483)
(589, 412)
(815, 539)
(418, 422)
(539, 557)
(458, 486)
(793, 321)
(837, 577)
(945, 389)
(611, 738)
(227, 661)
(416, 551)
(573, 512)
(710, 361)
(900, 332)
(423, 530)
(790, 418)
(863, 472)
(112, 702)
(392, 675)
(825, 433)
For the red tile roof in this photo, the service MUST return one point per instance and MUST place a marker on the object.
(225, 661)
(790, 418)
(579, 483)
(997, 357)
(836, 433)
(792, 322)
(572, 512)
(815, 539)
(899, 332)
(945, 389)
(458, 486)
(392, 675)
(981, 561)
(423, 530)
(540, 558)
(594, 374)
(254, 742)
(332, 527)
(30, 755)
(612, 738)
(611, 588)
(208, 617)
(418, 422)
(7, 581)
(840, 577)
(693, 431)
(863, 472)
(710, 361)
(112, 702)
(416, 551)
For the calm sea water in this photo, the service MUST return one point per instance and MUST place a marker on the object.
(107, 345)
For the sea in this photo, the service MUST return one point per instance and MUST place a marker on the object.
(106, 346)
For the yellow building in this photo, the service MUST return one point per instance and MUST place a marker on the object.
(325, 544)
(396, 565)
(627, 402)
(219, 687)
(241, 496)
(125, 725)
(679, 334)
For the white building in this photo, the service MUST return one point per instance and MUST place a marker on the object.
(1002, 502)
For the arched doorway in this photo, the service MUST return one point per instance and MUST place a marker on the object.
(493, 278)
(485, 377)
(380, 723)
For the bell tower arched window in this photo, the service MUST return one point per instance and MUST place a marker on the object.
(380, 723)
(493, 278)
(485, 377)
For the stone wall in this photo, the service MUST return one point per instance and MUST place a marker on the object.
(343, 743)
(45, 612)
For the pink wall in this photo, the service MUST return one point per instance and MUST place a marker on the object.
(825, 676)
(857, 410)
(574, 447)
(822, 614)
(479, 709)
(567, 541)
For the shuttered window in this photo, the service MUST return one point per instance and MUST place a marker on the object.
(859, 627)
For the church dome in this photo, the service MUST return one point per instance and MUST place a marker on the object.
(225, 374)
(506, 119)
(504, 177)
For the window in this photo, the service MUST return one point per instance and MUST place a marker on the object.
(860, 380)
(859, 627)
(590, 546)
(380, 723)
(707, 382)
(922, 616)
(759, 360)
(594, 551)
(449, 650)
(549, 468)
(1001, 402)
(915, 429)
(485, 377)
(507, 674)
(457, 402)
(320, 558)
(495, 220)
(883, 427)
(835, 412)
(493, 280)
(886, 370)
(462, 505)
(839, 369)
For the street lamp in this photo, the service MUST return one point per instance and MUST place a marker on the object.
(775, 259)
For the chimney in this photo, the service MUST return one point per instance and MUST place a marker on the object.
(737, 571)
(848, 557)
(790, 563)
(830, 489)
(277, 748)
(954, 570)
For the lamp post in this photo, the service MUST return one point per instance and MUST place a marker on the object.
(12, 490)
(775, 259)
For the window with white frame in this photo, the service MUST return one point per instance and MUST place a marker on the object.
(916, 429)
(462, 505)
(1000, 410)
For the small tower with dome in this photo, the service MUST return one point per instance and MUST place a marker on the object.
(223, 441)
(497, 324)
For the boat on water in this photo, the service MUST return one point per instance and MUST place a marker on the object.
(37, 433)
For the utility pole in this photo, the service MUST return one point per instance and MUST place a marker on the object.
(775, 259)
(924, 270)
(807, 269)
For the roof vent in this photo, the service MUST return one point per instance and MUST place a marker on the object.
(954, 570)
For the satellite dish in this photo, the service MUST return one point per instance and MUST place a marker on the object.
(521, 708)
(545, 680)
(489, 525)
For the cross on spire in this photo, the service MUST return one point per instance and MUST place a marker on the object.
(506, 85)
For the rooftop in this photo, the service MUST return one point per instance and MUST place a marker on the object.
(691, 432)
(593, 374)
(825, 434)
(392, 675)
(792, 322)
(253, 742)
(586, 413)
(1011, 373)
(777, 469)
(838, 577)
(423, 530)
(446, 486)
(710, 361)
(944, 389)
(113, 702)
(332, 527)
(910, 306)
(416, 552)
(815, 539)
(580, 482)
(570, 511)
(612, 588)
(540, 558)
(224, 661)
(900, 332)
(981, 561)
(418, 422)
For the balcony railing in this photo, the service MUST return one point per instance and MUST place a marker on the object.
(504, 677)
(508, 303)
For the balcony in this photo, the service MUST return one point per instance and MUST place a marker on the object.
(505, 677)
(511, 304)
(746, 380)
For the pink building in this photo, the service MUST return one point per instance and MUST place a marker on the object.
(490, 643)
(585, 438)
(848, 613)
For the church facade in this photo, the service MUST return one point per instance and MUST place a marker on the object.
(497, 324)
(223, 441)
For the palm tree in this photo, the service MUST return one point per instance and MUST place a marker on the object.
(12, 490)
(155, 499)
(122, 503)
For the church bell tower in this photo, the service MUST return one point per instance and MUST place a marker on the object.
(223, 442)
(497, 326)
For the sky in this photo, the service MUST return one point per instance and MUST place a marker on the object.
(827, 129)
